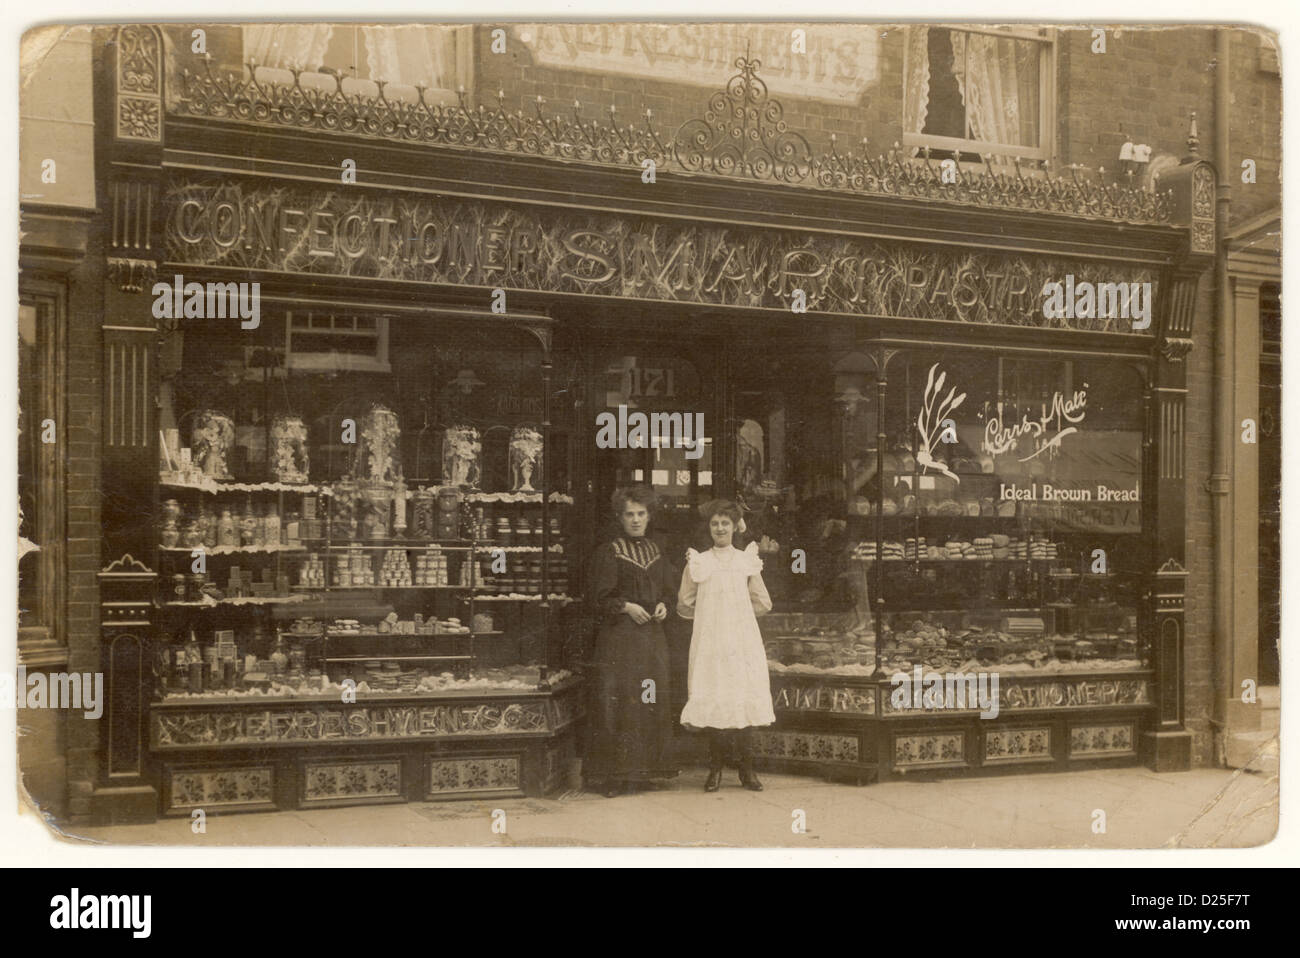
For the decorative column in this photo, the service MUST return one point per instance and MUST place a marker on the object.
(1167, 745)
(130, 121)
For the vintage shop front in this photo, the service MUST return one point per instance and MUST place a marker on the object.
(981, 488)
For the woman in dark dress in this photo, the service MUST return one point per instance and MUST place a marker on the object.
(632, 588)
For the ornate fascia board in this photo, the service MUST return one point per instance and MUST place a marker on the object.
(741, 135)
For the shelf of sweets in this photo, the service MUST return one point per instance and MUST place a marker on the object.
(1078, 668)
(234, 550)
(992, 548)
(445, 545)
(209, 485)
(427, 684)
(508, 498)
(383, 588)
(489, 546)
(208, 602)
(398, 658)
(398, 635)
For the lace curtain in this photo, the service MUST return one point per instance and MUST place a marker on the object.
(412, 55)
(409, 55)
(917, 100)
(997, 77)
(287, 45)
(999, 84)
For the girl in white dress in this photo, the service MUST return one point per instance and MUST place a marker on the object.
(728, 691)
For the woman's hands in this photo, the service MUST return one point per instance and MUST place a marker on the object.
(640, 616)
(637, 614)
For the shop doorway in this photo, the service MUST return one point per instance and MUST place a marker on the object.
(630, 384)
(666, 421)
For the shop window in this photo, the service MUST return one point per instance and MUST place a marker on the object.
(1000, 522)
(323, 341)
(40, 489)
(438, 58)
(979, 94)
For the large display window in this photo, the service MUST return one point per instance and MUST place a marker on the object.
(999, 522)
(350, 500)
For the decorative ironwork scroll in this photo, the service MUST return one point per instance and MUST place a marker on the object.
(741, 134)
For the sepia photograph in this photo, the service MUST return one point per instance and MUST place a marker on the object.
(618, 433)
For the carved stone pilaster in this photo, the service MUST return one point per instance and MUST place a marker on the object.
(138, 73)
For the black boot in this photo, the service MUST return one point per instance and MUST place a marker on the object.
(717, 757)
(747, 777)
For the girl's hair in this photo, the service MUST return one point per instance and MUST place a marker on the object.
(641, 494)
(721, 507)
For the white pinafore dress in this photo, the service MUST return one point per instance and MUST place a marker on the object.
(723, 591)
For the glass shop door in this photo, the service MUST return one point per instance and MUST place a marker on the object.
(666, 423)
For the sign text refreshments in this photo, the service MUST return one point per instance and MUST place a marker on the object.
(432, 240)
(836, 64)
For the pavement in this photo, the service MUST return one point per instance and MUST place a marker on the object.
(1123, 808)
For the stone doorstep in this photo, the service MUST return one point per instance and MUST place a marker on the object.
(1242, 749)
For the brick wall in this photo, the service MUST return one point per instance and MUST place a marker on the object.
(1254, 126)
(877, 113)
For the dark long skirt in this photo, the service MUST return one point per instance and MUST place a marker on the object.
(630, 739)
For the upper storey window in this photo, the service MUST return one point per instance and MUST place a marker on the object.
(438, 58)
(973, 94)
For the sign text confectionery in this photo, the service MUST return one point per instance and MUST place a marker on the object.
(415, 238)
(311, 723)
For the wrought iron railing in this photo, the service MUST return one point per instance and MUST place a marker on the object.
(742, 134)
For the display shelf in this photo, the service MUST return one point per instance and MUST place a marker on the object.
(232, 550)
(487, 547)
(470, 689)
(390, 635)
(521, 498)
(384, 588)
(240, 600)
(214, 486)
(971, 561)
(447, 545)
(398, 658)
